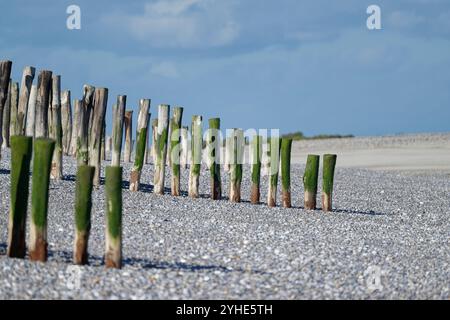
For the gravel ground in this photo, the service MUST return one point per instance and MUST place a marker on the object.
(387, 223)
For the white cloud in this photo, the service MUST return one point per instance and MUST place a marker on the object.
(165, 69)
(181, 23)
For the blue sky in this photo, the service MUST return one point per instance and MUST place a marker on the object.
(296, 65)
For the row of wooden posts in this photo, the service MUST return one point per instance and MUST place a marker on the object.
(38, 124)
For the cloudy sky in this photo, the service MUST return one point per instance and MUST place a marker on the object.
(309, 65)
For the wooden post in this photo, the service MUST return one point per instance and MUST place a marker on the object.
(81, 140)
(128, 122)
(77, 105)
(329, 164)
(147, 141)
(108, 145)
(228, 153)
(56, 129)
(96, 132)
(117, 130)
(5, 73)
(273, 171)
(42, 102)
(175, 131)
(213, 145)
(196, 156)
(310, 179)
(14, 104)
(7, 119)
(161, 147)
(21, 149)
(184, 147)
(141, 135)
(286, 146)
(113, 250)
(154, 136)
(66, 118)
(42, 160)
(31, 111)
(25, 90)
(88, 105)
(83, 205)
(256, 150)
(103, 145)
(236, 165)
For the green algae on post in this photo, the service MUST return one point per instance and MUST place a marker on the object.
(256, 152)
(175, 146)
(274, 165)
(310, 179)
(213, 144)
(236, 165)
(21, 150)
(83, 205)
(329, 164)
(42, 160)
(113, 192)
(161, 148)
(141, 136)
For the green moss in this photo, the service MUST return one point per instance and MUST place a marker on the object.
(21, 150)
(286, 146)
(256, 165)
(43, 152)
(329, 164)
(311, 175)
(140, 150)
(161, 142)
(113, 186)
(83, 199)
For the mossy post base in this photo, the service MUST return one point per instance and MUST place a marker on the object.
(256, 150)
(141, 136)
(175, 149)
(329, 164)
(310, 179)
(286, 146)
(42, 160)
(275, 147)
(196, 156)
(161, 148)
(83, 205)
(113, 249)
(236, 165)
(214, 138)
(21, 150)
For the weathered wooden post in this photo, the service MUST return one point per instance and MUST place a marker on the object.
(184, 147)
(113, 250)
(31, 111)
(81, 142)
(14, 104)
(329, 164)
(141, 134)
(42, 160)
(236, 165)
(213, 145)
(310, 179)
(147, 141)
(5, 73)
(42, 101)
(161, 147)
(21, 149)
(175, 136)
(83, 205)
(95, 139)
(196, 156)
(108, 144)
(6, 119)
(66, 118)
(56, 129)
(273, 171)
(228, 153)
(128, 122)
(286, 146)
(117, 130)
(256, 150)
(154, 137)
(77, 105)
(88, 105)
(25, 90)
(103, 143)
